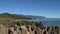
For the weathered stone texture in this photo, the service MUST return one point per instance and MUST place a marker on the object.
(29, 30)
(3, 29)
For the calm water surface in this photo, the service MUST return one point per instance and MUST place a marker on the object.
(51, 21)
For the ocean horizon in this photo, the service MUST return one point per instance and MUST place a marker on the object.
(50, 21)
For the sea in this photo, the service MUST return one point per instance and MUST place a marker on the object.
(50, 21)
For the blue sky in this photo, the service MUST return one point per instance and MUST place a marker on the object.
(47, 8)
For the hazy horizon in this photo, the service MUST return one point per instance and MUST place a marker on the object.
(46, 8)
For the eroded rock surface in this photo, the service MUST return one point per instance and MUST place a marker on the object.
(29, 28)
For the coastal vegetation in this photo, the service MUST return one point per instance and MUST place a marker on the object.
(12, 19)
(23, 24)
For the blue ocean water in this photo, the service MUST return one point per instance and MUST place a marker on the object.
(50, 21)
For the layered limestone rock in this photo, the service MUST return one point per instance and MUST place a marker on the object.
(29, 29)
(15, 32)
(24, 30)
(59, 30)
(3, 29)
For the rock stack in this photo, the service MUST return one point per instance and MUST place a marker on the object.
(29, 28)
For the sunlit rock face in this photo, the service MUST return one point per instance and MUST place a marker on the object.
(3, 29)
(15, 32)
(37, 30)
(22, 28)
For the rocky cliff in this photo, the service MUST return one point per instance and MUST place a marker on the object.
(28, 27)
